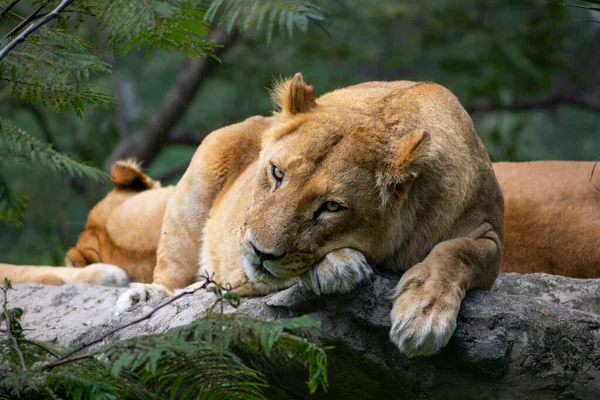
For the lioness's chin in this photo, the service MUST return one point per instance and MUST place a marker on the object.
(259, 274)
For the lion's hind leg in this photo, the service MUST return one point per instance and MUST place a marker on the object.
(99, 274)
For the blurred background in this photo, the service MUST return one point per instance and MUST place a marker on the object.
(527, 71)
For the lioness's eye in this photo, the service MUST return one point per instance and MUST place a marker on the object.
(332, 206)
(277, 174)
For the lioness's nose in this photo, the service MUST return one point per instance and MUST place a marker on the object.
(264, 256)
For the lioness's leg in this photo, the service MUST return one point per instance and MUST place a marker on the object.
(100, 274)
(427, 298)
(219, 160)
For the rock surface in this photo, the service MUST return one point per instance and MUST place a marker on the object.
(532, 337)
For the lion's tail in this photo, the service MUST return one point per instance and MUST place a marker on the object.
(128, 175)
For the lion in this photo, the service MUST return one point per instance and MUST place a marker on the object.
(388, 175)
(551, 222)
(551, 218)
(124, 228)
(119, 241)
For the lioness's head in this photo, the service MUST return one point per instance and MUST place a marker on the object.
(330, 176)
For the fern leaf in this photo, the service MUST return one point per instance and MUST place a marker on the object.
(259, 336)
(284, 13)
(16, 144)
(148, 24)
(49, 69)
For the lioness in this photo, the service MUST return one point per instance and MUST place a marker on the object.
(121, 230)
(551, 222)
(551, 217)
(386, 174)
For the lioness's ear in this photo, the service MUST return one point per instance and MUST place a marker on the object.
(404, 165)
(127, 174)
(293, 96)
(409, 151)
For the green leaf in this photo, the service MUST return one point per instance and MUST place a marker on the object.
(51, 68)
(244, 13)
(12, 205)
(173, 26)
(18, 145)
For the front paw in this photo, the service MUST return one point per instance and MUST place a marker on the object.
(339, 272)
(424, 314)
(139, 293)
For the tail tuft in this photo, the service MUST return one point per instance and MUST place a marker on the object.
(128, 175)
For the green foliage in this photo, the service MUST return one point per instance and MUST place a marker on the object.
(199, 360)
(50, 69)
(54, 66)
(12, 205)
(286, 14)
(168, 25)
(18, 145)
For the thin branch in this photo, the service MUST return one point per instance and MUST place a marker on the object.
(27, 20)
(592, 174)
(9, 331)
(8, 7)
(173, 172)
(33, 27)
(69, 356)
(579, 6)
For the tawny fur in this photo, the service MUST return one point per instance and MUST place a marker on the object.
(552, 225)
(417, 188)
(552, 217)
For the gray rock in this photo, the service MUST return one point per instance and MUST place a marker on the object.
(531, 337)
(580, 294)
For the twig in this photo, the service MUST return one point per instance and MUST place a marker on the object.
(8, 330)
(218, 291)
(25, 21)
(8, 7)
(67, 357)
(33, 27)
(592, 174)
